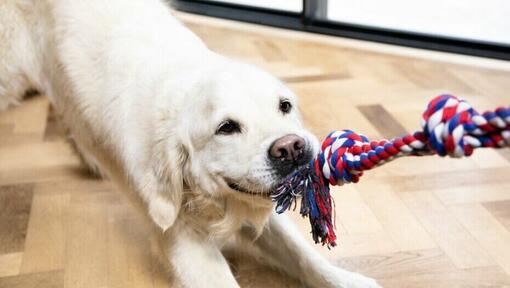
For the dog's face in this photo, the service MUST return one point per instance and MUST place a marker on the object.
(245, 133)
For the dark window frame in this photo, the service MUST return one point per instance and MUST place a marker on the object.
(309, 20)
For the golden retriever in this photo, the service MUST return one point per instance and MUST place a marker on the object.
(196, 140)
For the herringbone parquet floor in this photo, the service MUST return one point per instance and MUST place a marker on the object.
(417, 222)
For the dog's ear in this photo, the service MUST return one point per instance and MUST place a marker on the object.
(168, 165)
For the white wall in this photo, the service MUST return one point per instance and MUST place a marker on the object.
(486, 20)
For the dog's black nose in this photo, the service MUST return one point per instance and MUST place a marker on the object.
(287, 148)
(288, 153)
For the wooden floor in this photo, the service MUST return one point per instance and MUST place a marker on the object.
(420, 222)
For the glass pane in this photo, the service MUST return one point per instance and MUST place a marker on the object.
(284, 5)
(482, 20)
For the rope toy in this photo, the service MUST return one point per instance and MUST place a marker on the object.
(451, 127)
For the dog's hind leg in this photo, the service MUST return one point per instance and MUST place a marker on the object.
(18, 58)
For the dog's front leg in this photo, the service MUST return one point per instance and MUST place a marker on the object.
(195, 261)
(282, 246)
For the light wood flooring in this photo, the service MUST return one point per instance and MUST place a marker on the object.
(417, 222)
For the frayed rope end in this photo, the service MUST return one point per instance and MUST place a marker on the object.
(316, 203)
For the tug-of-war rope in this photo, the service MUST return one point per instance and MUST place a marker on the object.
(451, 127)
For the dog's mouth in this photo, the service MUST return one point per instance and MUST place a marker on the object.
(237, 187)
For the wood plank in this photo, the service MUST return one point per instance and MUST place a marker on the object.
(359, 245)
(54, 128)
(15, 205)
(492, 84)
(505, 153)
(269, 50)
(10, 264)
(161, 278)
(315, 78)
(491, 235)
(433, 75)
(43, 174)
(129, 259)
(35, 155)
(382, 120)
(86, 241)
(6, 128)
(45, 243)
(490, 158)
(31, 116)
(394, 265)
(500, 210)
(19, 139)
(466, 178)
(450, 235)
(396, 218)
(349, 244)
(477, 277)
(52, 279)
(338, 108)
(353, 213)
(473, 193)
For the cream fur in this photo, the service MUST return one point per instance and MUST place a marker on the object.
(142, 97)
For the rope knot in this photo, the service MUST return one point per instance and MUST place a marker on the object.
(452, 127)
(339, 159)
(445, 123)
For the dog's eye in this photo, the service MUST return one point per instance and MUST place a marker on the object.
(285, 106)
(228, 127)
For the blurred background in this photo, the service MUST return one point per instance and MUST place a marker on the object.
(472, 27)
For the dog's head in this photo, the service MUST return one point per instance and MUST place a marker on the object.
(238, 133)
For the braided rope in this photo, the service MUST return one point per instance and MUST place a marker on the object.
(451, 127)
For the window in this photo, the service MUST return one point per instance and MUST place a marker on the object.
(473, 27)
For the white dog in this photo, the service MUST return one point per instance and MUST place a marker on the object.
(196, 140)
